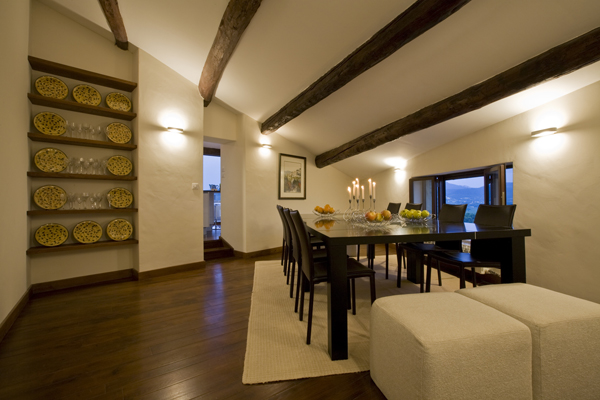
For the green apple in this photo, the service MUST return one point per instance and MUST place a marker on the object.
(424, 213)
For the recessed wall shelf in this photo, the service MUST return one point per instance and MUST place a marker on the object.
(69, 105)
(60, 175)
(78, 246)
(38, 137)
(34, 213)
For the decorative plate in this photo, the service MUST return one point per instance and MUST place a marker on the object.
(51, 160)
(118, 101)
(118, 133)
(119, 165)
(86, 94)
(50, 123)
(50, 197)
(119, 198)
(119, 229)
(51, 235)
(87, 232)
(50, 86)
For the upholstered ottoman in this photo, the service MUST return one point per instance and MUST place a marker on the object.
(445, 346)
(565, 335)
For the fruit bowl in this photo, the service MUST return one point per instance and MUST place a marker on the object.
(324, 214)
(417, 221)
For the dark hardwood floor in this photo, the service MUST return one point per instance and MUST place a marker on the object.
(181, 336)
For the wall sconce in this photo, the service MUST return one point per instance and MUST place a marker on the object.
(175, 130)
(544, 132)
(266, 146)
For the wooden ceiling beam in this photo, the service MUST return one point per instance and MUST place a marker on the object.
(236, 19)
(413, 22)
(558, 61)
(115, 22)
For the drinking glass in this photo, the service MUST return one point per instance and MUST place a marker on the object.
(85, 196)
(71, 200)
(86, 131)
(99, 199)
(79, 198)
(95, 166)
(103, 164)
(99, 133)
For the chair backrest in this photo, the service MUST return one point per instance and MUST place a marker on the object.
(495, 215)
(295, 245)
(394, 208)
(414, 206)
(286, 228)
(452, 213)
(308, 266)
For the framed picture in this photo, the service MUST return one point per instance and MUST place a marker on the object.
(292, 177)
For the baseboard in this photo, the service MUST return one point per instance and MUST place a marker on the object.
(259, 253)
(168, 271)
(14, 314)
(82, 281)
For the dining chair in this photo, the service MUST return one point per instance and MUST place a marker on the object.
(487, 215)
(449, 213)
(315, 272)
(286, 239)
(296, 257)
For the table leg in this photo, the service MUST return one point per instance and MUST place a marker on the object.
(414, 268)
(337, 303)
(510, 252)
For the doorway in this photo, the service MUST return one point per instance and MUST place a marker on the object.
(211, 186)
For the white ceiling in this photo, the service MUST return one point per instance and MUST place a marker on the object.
(291, 43)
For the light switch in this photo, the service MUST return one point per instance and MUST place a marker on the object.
(195, 186)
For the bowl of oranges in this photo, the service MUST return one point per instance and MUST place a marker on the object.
(326, 211)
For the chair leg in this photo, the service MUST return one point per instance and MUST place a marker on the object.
(387, 257)
(285, 259)
(349, 294)
(282, 252)
(358, 252)
(428, 284)
(301, 312)
(291, 269)
(474, 276)
(373, 292)
(293, 274)
(310, 312)
(462, 277)
(399, 274)
(353, 298)
(298, 288)
(439, 274)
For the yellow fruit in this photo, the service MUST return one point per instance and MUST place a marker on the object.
(424, 213)
(387, 215)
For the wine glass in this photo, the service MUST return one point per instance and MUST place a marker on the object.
(79, 199)
(104, 164)
(71, 200)
(80, 169)
(99, 200)
(100, 133)
(85, 196)
(95, 166)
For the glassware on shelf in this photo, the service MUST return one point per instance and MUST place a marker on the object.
(71, 200)
(92, 198)
(99, 199)
(103, 166)
(79, 199)
(85, 196)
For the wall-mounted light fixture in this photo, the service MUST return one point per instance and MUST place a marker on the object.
(544, 132)
(266, 146)
(175, 130)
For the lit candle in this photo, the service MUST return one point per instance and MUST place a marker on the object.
(357, 186)
(349, 193)
(370, 188)
(363, 192)
(373, 190)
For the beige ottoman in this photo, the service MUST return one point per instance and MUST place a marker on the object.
(565, 335)
(445, 346)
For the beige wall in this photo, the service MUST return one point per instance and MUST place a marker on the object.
(556, 186)
(170, 212)
(251, 175)
(14, 117)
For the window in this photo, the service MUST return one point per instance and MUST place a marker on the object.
(486, 185)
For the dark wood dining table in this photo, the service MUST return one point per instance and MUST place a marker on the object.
(507, 244)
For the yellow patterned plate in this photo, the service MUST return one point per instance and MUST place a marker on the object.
(118, 133)
(50, 124)
(86, 94)
(118, 101)
(50, 160)
(87, 232)
(119, 165)
(50, 86)
(119, 229)
(119, 198)
(51, 235)
(50, 197)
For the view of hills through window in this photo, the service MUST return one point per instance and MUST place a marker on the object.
(471, 191)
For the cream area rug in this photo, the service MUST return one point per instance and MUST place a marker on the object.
(276, 348)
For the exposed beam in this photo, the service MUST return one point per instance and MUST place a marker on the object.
(236, 19)
(115, 21)
(413, 22)
(560, 60)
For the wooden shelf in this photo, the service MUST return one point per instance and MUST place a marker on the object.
(69, 105)
(38, 137)
(60, 175)
(78, 246)
(71, 212)
(50, 67)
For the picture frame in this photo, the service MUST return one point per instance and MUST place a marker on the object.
(292, 177)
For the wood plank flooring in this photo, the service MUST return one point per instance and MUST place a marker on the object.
(181, 336)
